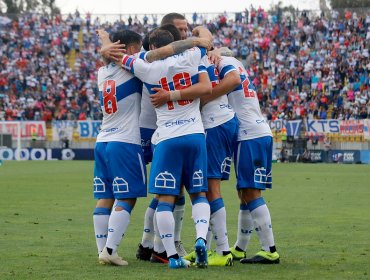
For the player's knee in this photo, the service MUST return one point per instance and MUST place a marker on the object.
(247, 195)
(126, 205)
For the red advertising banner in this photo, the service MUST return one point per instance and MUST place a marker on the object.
(28, 129)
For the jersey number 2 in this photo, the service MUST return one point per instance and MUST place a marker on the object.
(109, 97)
(180, 81)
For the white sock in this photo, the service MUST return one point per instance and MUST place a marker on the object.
(148, 234)
(178, 214)
(101, 219)
(209, 237)
(245, 228)
(166, 227)
(118, 223)
(262, 223)
(158, 245)
(218, 221)
(201, 215)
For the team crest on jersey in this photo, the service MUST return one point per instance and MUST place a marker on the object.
(99, 185)
(120, 185)
(226, 166)
(198, 178)
(165, 180)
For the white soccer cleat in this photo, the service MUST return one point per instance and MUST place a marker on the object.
(105, 258)
(180, 249)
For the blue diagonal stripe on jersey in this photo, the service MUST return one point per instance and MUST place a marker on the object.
(194, 80)
(126, 89)
(226, 70)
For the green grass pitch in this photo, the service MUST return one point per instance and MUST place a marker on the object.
(320, 215)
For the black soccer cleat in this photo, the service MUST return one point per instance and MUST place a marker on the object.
(263, 257)
(143, 253)
(159, 257)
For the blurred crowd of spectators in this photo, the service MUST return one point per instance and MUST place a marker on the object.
(304, 66)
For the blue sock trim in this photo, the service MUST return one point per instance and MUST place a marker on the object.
(101, 211)
(216, 205)
(199, 199)
(180, 200)
(165, 206)
(153, 204)
(125, 206)
(244, 206)
(256, 203)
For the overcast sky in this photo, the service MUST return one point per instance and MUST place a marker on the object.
(165, 6)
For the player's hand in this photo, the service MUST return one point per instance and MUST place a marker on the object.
(214, 57)
(160, 98)
(113, 51)
(203, 42)
(103, 35)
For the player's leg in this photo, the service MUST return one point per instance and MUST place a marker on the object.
(178, 214)
(159, 254)
(145, 249)
(220, 143)
(128, 173)
(165, 180)
(103, 193)
(195, 172)
(254, 175)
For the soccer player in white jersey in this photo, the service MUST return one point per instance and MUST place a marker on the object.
(120, 124)
(253, 163)
(119, 171)
(180, 151)
(221, 128)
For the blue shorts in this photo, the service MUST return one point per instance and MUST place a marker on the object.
(177, 161)
(119, 171)
(253, 163)
(146, 137)
(221, 141)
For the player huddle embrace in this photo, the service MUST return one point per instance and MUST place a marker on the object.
(187, 110)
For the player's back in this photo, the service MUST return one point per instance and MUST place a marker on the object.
(245, 103)
(177, 72)
(217, 111)
(120, 95)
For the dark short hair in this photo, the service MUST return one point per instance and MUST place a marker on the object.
(146, 42)
(173, 30)
(169, 18)
(159, 38)
(126, 37)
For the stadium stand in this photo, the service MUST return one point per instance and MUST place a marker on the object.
(308, 67)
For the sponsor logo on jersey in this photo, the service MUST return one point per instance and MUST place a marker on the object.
(179, 122)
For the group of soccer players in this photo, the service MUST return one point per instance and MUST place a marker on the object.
(188, 111)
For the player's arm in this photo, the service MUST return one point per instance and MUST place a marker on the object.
(202, 88)
(229, 82)
(178, 47)
(109, 51)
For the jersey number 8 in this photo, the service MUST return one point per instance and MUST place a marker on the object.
(109, 97)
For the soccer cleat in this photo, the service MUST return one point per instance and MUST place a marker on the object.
(159, 257)
(144, 253)
(263, 257)
(105, 258)
(237, 255)
(218, 260)
(191, 256)
(180, 249)
(178, 263)
(201, 253)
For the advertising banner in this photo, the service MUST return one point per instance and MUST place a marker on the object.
(29, 129)
(293, 128)
(46, 154)
(88, 129)
(319, 127)
(351, 127)
(62, 130)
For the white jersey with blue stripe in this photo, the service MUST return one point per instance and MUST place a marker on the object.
(177, 72)
(218, 111)
(244, 101)
(120, 96)
(148, 117)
